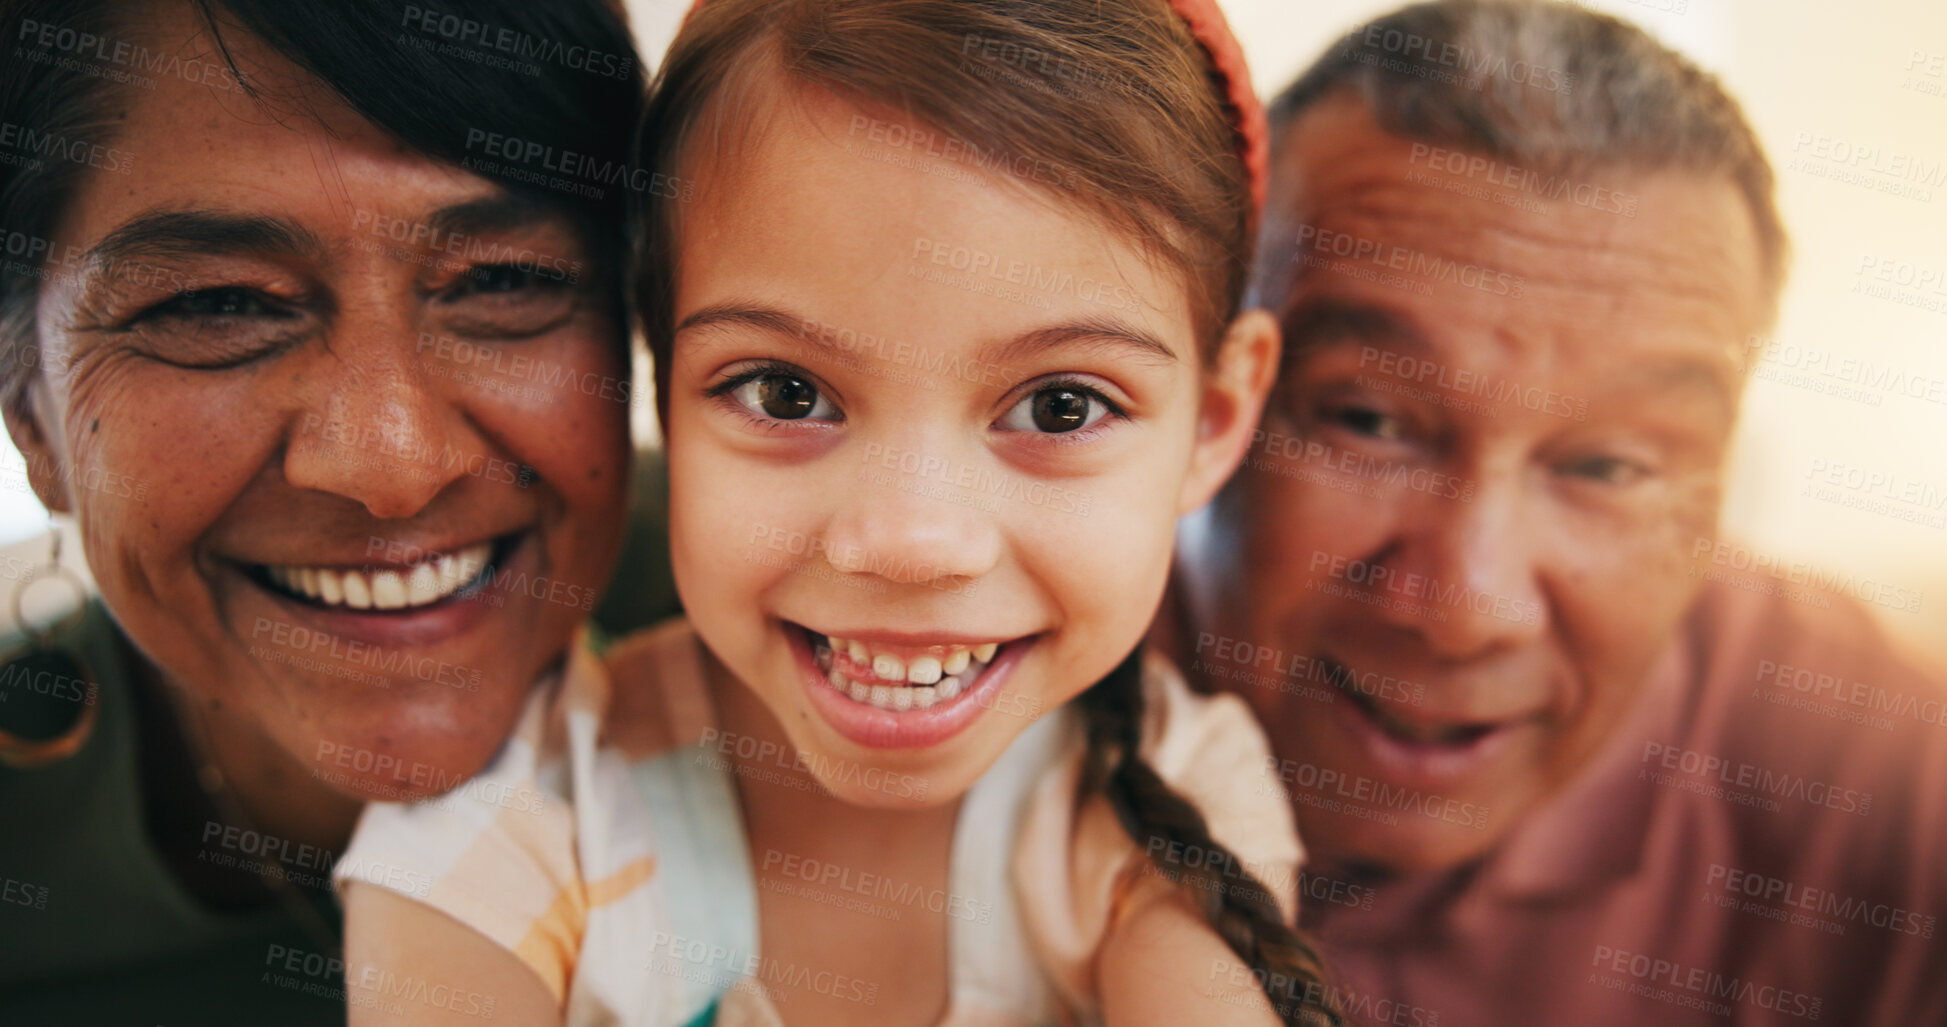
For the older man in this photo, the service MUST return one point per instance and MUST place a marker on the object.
(1560, 754)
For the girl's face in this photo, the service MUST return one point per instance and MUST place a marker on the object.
(929, 434)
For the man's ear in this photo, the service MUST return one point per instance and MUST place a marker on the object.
(1234, 391)
(35, 436)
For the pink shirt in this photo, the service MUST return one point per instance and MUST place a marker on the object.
(1764, 842)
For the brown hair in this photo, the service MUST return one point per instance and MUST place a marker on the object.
(1120, 101)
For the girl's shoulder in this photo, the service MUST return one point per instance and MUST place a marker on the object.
(1075, 866)
(1194, 740)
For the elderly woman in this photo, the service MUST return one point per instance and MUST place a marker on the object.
(311, 323)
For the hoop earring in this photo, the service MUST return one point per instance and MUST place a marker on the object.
(48, 694)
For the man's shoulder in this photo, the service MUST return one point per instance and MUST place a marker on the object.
(1821, 737)
(1771, 673)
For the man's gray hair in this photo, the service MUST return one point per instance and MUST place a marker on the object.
(1542, 84)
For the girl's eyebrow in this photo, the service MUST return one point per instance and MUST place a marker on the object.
(1090, 330)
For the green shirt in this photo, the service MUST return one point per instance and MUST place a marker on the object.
(94, 929)
(93, 926)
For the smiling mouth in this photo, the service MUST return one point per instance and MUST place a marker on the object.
(900, 678)
(460, 574)
(1430, 734)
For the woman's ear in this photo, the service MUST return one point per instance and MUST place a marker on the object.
(27, 424)
(1234, 392)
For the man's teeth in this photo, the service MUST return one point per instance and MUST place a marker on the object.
(892, 682)
(421, 585)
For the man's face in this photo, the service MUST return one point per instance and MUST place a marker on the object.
(1464, 533)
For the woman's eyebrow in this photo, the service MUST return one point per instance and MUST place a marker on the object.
(170, 233)
(499, 213)
(202, 231)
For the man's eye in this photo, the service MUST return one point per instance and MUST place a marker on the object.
(1607, 469)
(1056, 410)
(1367, 421)
(783, 397)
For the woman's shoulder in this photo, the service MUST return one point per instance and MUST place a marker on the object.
(659, 700)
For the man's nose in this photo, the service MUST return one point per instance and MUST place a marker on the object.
(1465, 573)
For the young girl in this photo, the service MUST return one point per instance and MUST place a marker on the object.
(943, 298)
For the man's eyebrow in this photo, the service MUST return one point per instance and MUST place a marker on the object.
(1098, 330)
(174, 233)
(1664, 376)
(1317, 323)
(1324, 322)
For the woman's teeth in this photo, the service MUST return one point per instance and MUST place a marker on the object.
(421, 585)
(892, 682)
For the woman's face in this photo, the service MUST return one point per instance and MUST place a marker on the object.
(929, 434)
(339, 424)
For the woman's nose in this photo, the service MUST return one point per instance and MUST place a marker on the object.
(375, 426)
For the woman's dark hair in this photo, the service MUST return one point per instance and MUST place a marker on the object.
(561, 76)
(1134, 132)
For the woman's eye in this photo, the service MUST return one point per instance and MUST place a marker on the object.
(506, 301)
(1367, 421)
(1055, 411)
(209, 303)
(783, 397)
(498, 278)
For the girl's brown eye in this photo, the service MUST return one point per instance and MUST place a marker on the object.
(1060, 410)
(1057, 408)
(779, 394)
(786, 398)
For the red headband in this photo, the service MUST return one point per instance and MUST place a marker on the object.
(1207, 23)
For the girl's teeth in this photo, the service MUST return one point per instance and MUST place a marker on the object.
(390, 589)
(924, 670)
(887, 681)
